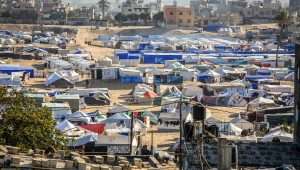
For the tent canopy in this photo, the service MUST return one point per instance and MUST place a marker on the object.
(65, 126)
(279, 133)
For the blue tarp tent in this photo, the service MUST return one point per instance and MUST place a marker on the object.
(9, 69)
(131, 79)
(160, 58)
(213, 27)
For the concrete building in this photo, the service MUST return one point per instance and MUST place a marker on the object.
(49, 5)
(137, 7)
(196, 5)
(258, 12)
(295, 5)
(179, 16)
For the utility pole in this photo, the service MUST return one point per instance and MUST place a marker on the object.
(131, 133)
(180, 134)
(297, 91)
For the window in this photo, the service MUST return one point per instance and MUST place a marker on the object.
(171, 13)
(129, 10)
(180, 13)
(188, 21)
(180, 21)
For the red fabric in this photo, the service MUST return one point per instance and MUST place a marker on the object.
(150, 95)
(136, 114)
(96, 128)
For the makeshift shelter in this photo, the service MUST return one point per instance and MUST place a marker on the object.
(118, 108)
(144, 94)
(129, 59)
(229, 129)
(60, 111)
(65, 126)
(11, 69)
(130, 76)
(278, 88)
(10, 81)
(105, 73)
(39, 98)
(63, 79)
(107, 62)
(160, 58)
(242, 123)
(260, 103)
(58, 64)
(115, 144)
(95, 128)
(97, 99)
(278, 133)
(121, 122)
(79, 117)
(168, 78)
(170, 121)
(290, 77)
(209, 76)
(73, 100)
(193, 91)
(153, 118)
(83, 140)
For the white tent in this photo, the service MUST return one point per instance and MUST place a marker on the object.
(290, 77)
(193, 91)
(65, 126)
(229, 129)
(79, 116)
(242, 123)
(70, 76)
(260, 103)
(279, 133)
(118, 108)
(85, 139)
(120, 121)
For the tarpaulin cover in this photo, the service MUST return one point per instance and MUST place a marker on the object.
(150, 95)
(160, 58)
(9, 69)
(96, 128)
(131, 80)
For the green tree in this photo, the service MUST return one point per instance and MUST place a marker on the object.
(26, 125)
(145, 17)
(133, 17)
(104, 6)
(282, 19)
(158, 18)
(121, 18)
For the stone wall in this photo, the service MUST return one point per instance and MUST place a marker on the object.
(259, 154)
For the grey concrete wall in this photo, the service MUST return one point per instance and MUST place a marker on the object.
(260, 154)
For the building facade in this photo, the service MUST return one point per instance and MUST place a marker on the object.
(136, 7)
(179, 16)
(295, 5)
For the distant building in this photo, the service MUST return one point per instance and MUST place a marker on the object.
(262, 12)
(195, 5)
(179, 16)
(137, 7)
(295, 5)
(50, 5)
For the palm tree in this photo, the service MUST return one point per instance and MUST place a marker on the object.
(282, 19)
(104, 6)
